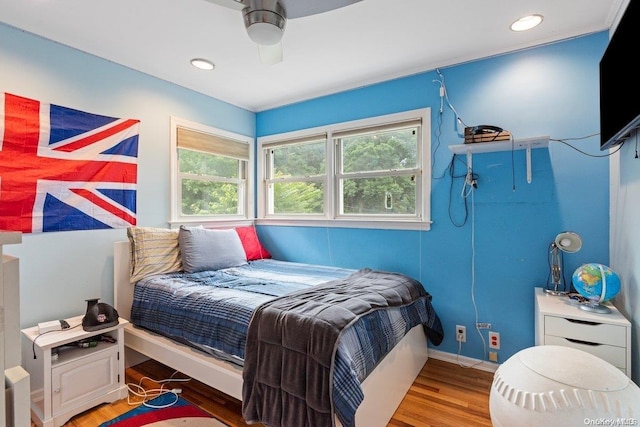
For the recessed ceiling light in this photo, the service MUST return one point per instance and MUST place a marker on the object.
(526, 23)
(203, 64)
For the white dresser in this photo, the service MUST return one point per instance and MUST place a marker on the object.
(560, 321)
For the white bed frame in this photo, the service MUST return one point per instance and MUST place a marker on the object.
(383, 389)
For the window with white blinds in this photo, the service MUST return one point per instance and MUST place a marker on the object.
(211, 173)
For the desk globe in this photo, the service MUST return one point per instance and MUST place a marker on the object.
(598, 283)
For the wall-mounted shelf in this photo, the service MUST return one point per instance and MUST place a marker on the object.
(489, 147)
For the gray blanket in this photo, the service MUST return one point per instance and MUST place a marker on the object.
(292, 342)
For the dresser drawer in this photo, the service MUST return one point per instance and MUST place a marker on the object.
(560, 321)
(599, 333)
(612, 354)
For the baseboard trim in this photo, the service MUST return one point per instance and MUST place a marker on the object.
(464, 361)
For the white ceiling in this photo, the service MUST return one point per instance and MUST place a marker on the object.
(364, 43)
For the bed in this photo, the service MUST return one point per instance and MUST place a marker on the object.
(218, 358)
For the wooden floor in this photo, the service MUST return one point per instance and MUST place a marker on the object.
(444, 394)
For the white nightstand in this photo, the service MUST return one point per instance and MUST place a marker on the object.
(560, 321)
(67, 379)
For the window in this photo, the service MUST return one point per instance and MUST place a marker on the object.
(296, 175)
(211, 173)
(374, 170)
(378, 171)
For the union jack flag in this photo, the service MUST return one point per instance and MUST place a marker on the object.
(62, 169)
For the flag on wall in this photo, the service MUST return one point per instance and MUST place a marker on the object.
(62, 169)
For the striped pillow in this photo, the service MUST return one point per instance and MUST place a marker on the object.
(153, 251)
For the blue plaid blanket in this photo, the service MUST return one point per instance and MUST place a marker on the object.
(211, 310)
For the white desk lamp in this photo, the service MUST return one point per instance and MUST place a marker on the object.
(569, 242)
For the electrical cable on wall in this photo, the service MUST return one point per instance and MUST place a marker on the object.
(564, 141)
(465, 176)
(469, 185)
(444, 97)
(437, 145)
(438, 131)
(469, 177)
(473, 286)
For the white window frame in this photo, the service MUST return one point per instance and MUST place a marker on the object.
(331, 218)
(176, 194)
(268, 163)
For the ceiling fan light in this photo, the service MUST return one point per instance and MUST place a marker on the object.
(264, 33)
(265, 21)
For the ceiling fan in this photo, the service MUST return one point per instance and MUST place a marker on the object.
(265, 20)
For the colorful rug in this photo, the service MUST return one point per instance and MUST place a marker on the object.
(160, 412)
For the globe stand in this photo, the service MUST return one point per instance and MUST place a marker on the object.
(595, 308)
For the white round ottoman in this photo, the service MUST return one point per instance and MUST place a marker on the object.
(561, 386)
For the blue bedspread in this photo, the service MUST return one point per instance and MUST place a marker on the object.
(212, 310)
(220, 303)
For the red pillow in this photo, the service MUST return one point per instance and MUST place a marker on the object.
(252, 246)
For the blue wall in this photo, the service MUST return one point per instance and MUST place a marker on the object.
(550, 90)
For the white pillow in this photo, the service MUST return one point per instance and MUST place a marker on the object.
(203, 249)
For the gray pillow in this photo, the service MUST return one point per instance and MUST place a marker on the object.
(203, 249)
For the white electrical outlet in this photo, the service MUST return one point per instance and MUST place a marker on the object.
(461, 333)
(494, 340)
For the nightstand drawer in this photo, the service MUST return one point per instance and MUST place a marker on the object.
(600, 333)
(612, 354)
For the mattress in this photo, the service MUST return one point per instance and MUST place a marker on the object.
(211, 310)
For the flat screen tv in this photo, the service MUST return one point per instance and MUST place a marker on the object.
(620, 81)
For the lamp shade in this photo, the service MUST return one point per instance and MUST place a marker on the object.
(568, 241)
